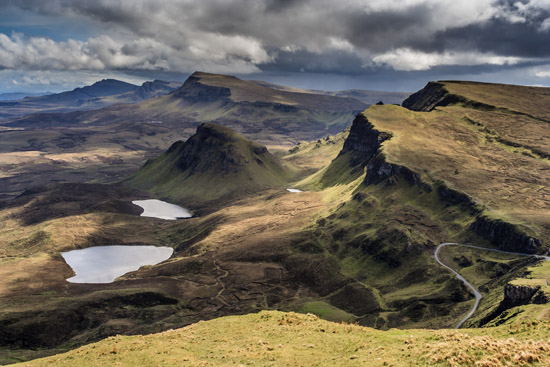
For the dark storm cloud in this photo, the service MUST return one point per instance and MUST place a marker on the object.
(335, 61)
(242, 36)
(496, 36)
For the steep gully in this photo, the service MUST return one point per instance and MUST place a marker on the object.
(468, 284)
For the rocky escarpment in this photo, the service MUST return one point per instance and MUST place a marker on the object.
(364, 146)
(517, 295)
(505, 235)
(193, 91)
(426, 99)
(364, 138)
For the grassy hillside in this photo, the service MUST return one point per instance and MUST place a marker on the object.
(288, 339)
(214, 164)
(246, 91)
(494, 154)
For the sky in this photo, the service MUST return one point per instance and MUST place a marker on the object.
(392, 45)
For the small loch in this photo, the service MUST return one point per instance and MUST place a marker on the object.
(103, 264)
(160, 209)
(294, 190)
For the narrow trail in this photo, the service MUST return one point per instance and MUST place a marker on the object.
(467, 283)
(220, 282)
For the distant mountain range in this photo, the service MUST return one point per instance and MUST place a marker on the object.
(14, 96)
(366, 96)
(260, 113)
(101, 94)
(260, 110)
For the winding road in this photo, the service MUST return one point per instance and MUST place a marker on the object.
(467, 283)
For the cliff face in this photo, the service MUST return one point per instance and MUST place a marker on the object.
(517, 295)
(194, 91)
(434, 94)
(505, 235)
(212, 149)
(514, 296)
(364, 143)
(426, 99)
(363, 138)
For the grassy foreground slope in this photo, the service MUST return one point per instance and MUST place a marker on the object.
(271, 338)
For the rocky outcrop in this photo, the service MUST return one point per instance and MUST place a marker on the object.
(518, 295)
(213, 148)
(364, 138)
(514, 296)
(434, 94)
(454, 197)
(364, 141)
(505, 235)
(378, 170)
(426, 99)
(151, 89)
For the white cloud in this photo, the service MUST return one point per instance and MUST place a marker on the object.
(408, 60)
(57, 81)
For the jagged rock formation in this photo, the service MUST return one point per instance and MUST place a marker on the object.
(363, 148)
(363, 138)
(518, 295)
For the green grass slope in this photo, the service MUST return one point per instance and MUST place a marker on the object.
(214, 164)
(488, 141)
(395, 208)
(288, 339)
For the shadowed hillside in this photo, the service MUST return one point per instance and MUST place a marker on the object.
(103, 93)
(214, 164)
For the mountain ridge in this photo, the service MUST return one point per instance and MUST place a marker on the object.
(261, 113)
(363, 95)
(100, 94)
